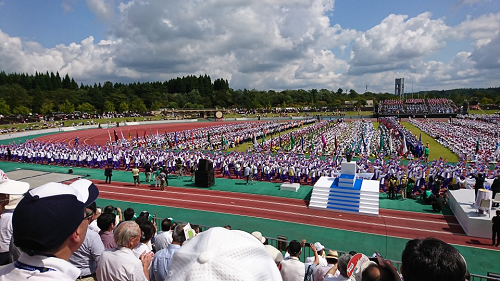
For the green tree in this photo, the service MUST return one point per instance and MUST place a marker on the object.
(21, 109)
(66, 107)
(138, 105)
(172, 104)
(4, 107)
(47, 108)
(108, 106)
(123, 107)
(86, 108)
(155, 105)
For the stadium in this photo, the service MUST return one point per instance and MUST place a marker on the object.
(400, 140)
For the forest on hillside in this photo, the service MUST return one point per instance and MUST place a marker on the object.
(45, 93)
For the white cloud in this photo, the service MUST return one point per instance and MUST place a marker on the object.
(68, 5)
(395, 41)
(103, 9)
(266, 44)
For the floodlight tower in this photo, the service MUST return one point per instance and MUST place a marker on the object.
(399, 89)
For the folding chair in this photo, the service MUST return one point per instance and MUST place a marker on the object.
(496, 200)
(485, 205)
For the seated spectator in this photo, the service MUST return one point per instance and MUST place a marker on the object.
(341, 267)
(332, 258)
(321, 255)
(291, 268)
(163, 258)
(147, 231)
(120, 263)
(221, 254)
(89, 253)
(93, 225)
(431, 259)
(128, 215)
(381, 270)
(114, 210)
(164, 238)
(6, 226)
(275, 253)
(57, 227)
(106, 223)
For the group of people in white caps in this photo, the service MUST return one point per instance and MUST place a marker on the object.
(52, 238)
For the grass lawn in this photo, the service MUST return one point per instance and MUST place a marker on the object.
(436, 150)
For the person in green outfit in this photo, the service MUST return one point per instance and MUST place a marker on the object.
(426, 152)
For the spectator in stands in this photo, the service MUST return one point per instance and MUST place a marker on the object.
(52, 206)
(321, 255)
(106, 223)
(275, 253)
(121, 263)
(221, 254)
(332, 258)
(89, 253)
(128, 214)
(381, 270)
(6, 226)
(431, 259)
(164, 238)
(147, 231)
(376, 272)
(341, 267)
(163, 258)
(10, 194)
(114, 210)
(291, 268)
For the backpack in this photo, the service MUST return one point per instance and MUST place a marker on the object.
(309, 272)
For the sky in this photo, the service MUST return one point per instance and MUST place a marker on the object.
(258, 44)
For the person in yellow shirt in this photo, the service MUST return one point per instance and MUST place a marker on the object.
(135, 174)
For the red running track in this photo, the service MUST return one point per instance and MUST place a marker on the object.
(392, 223)
(101, 136)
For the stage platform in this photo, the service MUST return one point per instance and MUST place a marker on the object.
(473, 223)
(346, 193)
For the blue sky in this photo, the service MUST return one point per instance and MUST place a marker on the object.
(261, 44)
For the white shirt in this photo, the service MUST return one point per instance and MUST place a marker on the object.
(61, 269)
(5, 230)
(292, 269)
(140, 249)
(120, 264)
(163, 239)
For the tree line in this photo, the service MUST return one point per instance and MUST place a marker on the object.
(45, 93)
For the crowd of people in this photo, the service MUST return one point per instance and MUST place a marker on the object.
(418, 106)
(56, 232)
